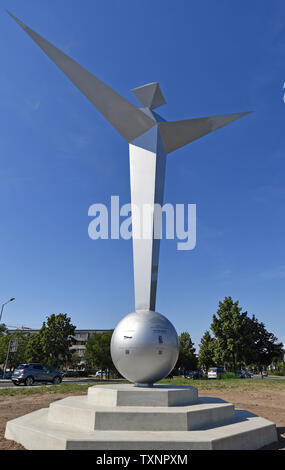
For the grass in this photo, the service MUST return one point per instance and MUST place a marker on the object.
(230, 384)
(223, 384)
(63, 388)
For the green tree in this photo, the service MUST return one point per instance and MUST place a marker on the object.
(229, 327)
(261, 347)
(97, 353)
(3, 329)
(34, 348)
(4, 343)
(187, 359)
(206, 352)
(17, 356)
(56, 339)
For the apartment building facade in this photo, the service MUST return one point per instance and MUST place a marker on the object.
(81, 337)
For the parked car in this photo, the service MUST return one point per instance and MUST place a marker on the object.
(240, 374)
(248, 374)
(100, 373)
(194, 374)
(189, 374)
(35, 372)
(8, 375)
(215, 373)
(71, 373)
(264, 373)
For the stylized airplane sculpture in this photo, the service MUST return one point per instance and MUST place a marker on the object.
(150, 139)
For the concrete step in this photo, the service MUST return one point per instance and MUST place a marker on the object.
(128, 395)
(35, 432)
(78, 411)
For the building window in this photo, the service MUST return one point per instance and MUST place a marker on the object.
(160, 339)
(81, 335)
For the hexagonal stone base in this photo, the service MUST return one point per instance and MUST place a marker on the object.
(129, 395)
(35, 432)
(78, 411)
(115, 418)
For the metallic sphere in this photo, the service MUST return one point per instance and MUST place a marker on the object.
(144, 347)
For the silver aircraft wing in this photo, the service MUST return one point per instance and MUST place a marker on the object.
(129, 121)
(176, 134)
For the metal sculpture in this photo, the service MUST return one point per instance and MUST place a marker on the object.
(144, 345)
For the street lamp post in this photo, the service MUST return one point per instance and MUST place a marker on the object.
(3, 305)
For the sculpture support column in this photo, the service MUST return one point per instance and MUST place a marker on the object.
(147, 176)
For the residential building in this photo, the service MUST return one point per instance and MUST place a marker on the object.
(81, 338)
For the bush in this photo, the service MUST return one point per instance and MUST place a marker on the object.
(278, 373)
(230, 376)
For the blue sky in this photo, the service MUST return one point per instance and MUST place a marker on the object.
(59, 156)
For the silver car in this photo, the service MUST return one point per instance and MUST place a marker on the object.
(35, 372)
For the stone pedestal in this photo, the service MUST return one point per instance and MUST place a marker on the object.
(124, 417)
